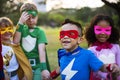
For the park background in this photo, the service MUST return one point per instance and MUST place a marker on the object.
(50, 20)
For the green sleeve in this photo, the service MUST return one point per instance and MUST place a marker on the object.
(19, 27)
(42, 37)
(43, 66)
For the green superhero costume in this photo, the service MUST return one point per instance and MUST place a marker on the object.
(30, 39)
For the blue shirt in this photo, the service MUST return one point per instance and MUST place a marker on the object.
(76, 65)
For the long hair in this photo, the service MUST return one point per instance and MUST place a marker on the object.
(90, 35)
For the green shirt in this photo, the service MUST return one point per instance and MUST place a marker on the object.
(30, 39)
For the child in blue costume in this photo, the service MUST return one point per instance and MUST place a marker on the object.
(75, 62)
(32, 40)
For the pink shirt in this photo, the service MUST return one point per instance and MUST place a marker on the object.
(107, 56)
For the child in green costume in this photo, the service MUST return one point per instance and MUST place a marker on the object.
(33, 41)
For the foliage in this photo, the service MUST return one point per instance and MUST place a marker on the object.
(115, 5)
(115, 18)
(83, 14)
(54, 18)
(8, 7)
(42, 20)
(49, 19)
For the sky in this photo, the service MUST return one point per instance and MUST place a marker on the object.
(55, 4)
(73, 4)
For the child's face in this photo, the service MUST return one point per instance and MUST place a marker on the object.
(69, 37)
(6, 32)
(32, 21)
(102, 31)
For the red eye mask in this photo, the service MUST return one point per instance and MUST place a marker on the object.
(99, 30)
(70, 33)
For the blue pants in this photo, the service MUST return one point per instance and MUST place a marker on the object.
(1, 74)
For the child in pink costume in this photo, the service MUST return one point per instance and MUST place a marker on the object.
(102, 38)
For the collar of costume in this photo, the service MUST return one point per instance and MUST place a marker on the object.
(102, 45)
(74, 51)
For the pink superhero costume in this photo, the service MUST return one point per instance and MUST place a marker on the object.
(107, 56)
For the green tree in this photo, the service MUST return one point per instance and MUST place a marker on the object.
(116, 6)
(83, 14)
(8, 7)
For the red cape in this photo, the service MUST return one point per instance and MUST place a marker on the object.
(1, 60)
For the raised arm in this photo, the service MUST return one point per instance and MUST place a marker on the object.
(22, 20)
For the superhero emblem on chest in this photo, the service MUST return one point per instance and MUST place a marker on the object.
(28, 43)
(107, 56)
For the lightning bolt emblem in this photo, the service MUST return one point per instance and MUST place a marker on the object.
(68, 72)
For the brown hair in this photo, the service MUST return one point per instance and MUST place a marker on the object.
(28, 6)
(6, 22)
(74, 23)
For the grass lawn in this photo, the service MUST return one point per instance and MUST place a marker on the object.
(53, 45)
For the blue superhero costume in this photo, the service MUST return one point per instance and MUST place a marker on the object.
(76, 65)
(61, 52)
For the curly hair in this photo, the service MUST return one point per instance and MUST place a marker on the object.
(90, 35)
(68, 21)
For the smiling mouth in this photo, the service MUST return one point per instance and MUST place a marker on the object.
(66, 42)
(102, 37)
